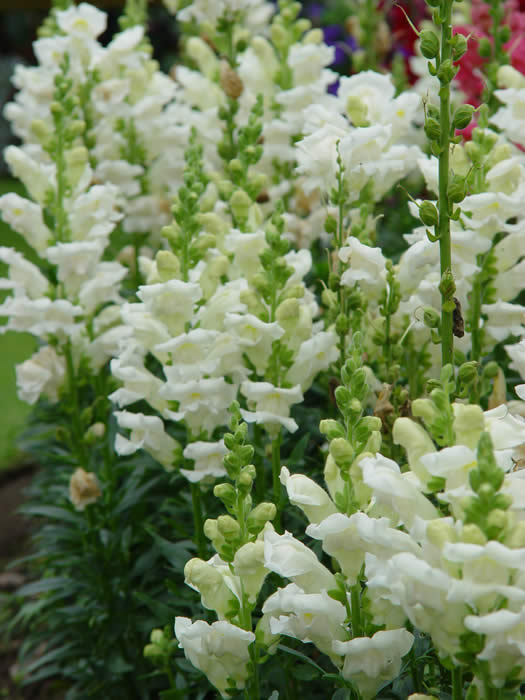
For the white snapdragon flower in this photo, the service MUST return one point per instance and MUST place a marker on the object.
(292, 559)
(516, 352)
(83, 20)
(246, 249)
(372, 661)
(422, 591)
(217, 586)
(76, 262)
(220, 650)
(504, 642)
(23, 277)
(317, 158)
(315, 355)
(37, 177)
(202, 403)
(102, 287)
(190, 353)
(307, 495)
(254, 336)
(147, 432)
(511, 117)
(394, 493)
(138, 382)
(207, 458)
(41, 317)
(42, 374)
(25, 217)
(271, 403)
(171, 302)
(349, 538)
(367, 266)
(309, 617)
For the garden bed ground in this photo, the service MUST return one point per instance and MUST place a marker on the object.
(14, 542)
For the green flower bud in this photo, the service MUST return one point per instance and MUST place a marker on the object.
(468, 372)
(446, 72)
(279, 35)
(429, 44)
(226, 493)
(343, 452)
(485, 48)
(516, 537)
(459, 46)
(245, 480)
(228, 527)
(497, 520)
(463, 115)
(425, 409)
(457, 189)
(330, 224)
(329, 299)
(371, 422)
(472, 534)
(211, 529)
(152, 650)
(295, 291)
(168, 265)
(334, 281)
(259, 516)
(491, 369)
(94, 433)
(287, 310)
(432, 129)
(156, 636)
(314, 36)
(431, 317)
(428, 214)
(342, 324)
(473, 151)
(440, 532)
(331, 428)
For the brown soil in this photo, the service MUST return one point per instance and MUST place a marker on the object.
(14, 541)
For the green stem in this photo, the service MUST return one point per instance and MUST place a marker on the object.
(253, 693)
(355, 596)
(260, 484)
(445, 250)
(78, 438)
(457, 683)
(277, 488)
(198, 520)
(370, 26)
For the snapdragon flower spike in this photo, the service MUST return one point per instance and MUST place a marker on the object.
(229, 582)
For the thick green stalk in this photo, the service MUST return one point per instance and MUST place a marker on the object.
(277, 488)
(356, 610)
(445, 252)
(457, 684)
(198, 520)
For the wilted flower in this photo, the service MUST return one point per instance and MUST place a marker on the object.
(84, 488)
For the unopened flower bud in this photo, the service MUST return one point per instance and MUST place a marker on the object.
(446, 72)
(459, 45)
(287, 310)
(314, 36)
(240, 204)
(225, 492)
(497, 520)
(431, 317)
(152, 650)
(84, 488)
(429, 44)
(230, 81)
(331, 428)
(343, 452)
(468, 372)
(428, 213)
(463, 115)
(516, 537)
(260, 515)
(472, 534)
(94, 433)
(484, 48)
(432, 129)
(228, 527)
(168, 265)
(439, 532)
